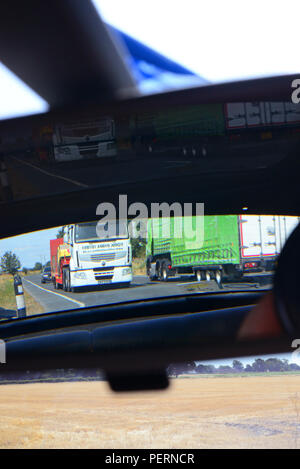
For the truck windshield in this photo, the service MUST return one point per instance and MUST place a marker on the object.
(94, 231)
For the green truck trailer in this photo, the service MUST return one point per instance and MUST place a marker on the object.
(224, 246)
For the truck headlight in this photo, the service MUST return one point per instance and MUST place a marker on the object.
(81, 275)
(126, 271)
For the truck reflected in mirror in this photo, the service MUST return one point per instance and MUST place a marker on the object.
(97, 148)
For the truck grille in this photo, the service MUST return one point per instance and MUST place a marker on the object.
(108, 256)
(103, 273)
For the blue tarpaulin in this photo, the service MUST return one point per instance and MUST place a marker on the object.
(153, 71)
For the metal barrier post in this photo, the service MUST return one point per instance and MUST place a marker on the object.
(19, 292)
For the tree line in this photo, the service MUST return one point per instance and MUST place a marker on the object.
(258, 366)
(10, 264)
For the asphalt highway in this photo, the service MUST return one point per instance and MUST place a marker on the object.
(140, 288)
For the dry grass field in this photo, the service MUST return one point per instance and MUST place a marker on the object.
(250, 412)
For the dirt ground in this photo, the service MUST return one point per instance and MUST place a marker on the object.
(249, 412)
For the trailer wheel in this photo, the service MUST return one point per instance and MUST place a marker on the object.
(203, 151)
(218, 278)
(158, 270)
(198, 275)
(151, 277)
(164, 272)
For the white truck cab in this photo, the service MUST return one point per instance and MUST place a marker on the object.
(98, 255)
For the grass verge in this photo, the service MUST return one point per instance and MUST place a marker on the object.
(139, 266)
(8, 298)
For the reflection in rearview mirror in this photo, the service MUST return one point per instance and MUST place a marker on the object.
(97, 148)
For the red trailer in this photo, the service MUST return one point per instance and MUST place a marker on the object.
(59, 258)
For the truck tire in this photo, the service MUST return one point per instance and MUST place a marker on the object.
(151, 277)
(164, 271)
(64, 280)
(69, 287)
(218, 278)
(203, 151)
(158, 270)
(198, 275)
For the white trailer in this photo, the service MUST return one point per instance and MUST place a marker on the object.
(262, 239)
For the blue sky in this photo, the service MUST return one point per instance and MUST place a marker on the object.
(30, 248)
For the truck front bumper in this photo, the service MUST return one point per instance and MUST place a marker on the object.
(93, 277)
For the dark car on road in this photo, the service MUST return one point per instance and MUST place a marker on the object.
(46, 275)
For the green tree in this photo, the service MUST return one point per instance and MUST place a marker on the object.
(205, 368)
(225, 369)
(10, 263)
(275, 364)
(259, 365)
(38, 266)
(237, 366)
(60, 233)
(176, 369)
(138, 246)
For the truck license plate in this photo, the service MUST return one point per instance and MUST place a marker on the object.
(104, 280)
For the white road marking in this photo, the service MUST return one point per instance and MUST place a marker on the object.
(54, 293)
(50, 174)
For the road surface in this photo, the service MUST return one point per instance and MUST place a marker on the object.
(140, 288)
(31, 178)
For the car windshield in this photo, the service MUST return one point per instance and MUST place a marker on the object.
(153, 258)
